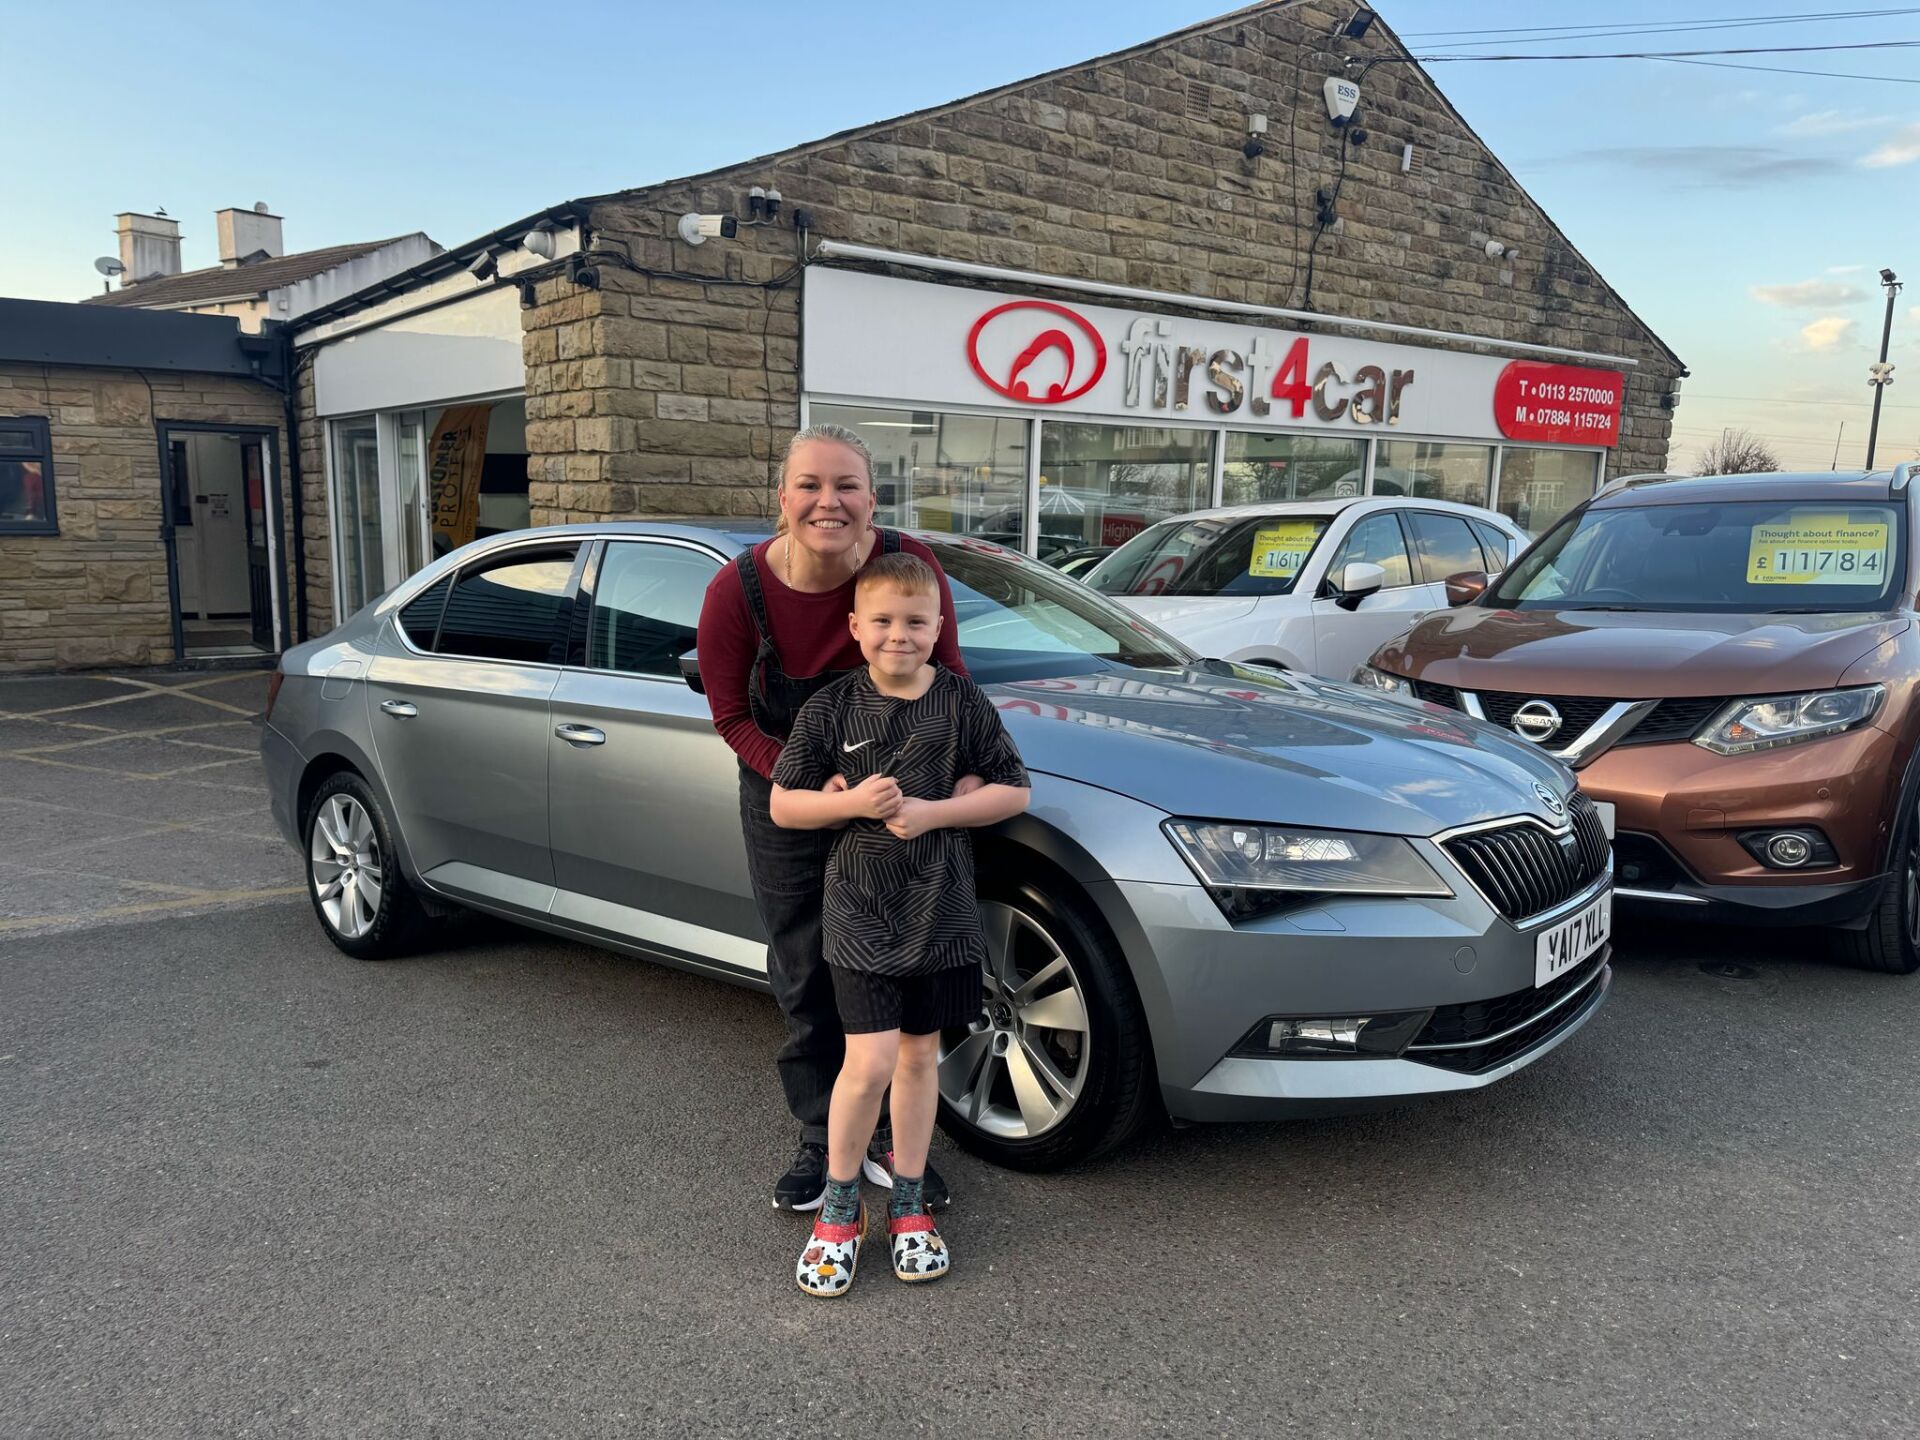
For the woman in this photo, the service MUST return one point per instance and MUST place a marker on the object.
(773, 630)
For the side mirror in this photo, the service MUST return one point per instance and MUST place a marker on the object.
(690, 672)
(1358, 579)
(1466, 587)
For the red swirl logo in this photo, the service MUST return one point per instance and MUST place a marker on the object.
(1029, 349)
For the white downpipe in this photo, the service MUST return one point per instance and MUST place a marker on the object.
(840, 250)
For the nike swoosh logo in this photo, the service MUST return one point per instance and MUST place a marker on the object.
(851, 748)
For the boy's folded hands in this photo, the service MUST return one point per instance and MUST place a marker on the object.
(878, 797)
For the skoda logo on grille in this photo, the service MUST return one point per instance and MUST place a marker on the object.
(1536, 721)
(1549, 799)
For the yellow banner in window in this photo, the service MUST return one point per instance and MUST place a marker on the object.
(1280, 550)
(1813, 548)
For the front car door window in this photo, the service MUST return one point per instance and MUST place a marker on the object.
(1344, 638)
(1445, 545)
(1375, 540)
(646, 606)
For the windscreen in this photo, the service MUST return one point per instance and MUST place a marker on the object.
(1739, 557)
(1020, 620)
(1215, 555)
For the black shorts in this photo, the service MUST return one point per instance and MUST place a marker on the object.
(915, 1004)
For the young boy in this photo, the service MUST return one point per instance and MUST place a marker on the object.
(902, 926)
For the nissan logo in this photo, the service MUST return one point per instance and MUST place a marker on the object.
(1536, 721)
(1549, 799)
(1036, 352)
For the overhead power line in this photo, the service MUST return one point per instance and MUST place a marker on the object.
(1790, 70)
(1549, 33)
(1656, 54)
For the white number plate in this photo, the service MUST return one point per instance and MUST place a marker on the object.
(1566, 943)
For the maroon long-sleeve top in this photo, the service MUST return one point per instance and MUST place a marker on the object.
(810, 635)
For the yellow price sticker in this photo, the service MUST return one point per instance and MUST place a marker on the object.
(1280, 550)
(1816, 548)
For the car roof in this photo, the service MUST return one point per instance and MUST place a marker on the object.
(1837, 485)
(1334, 506)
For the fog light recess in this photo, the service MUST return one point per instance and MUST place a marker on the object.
(1798, 848)
(1320, 1037)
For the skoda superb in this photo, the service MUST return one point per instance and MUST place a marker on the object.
(1236, 894)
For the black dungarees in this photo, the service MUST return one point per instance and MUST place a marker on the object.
(788, 869)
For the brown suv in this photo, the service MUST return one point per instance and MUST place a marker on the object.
(1732, 663)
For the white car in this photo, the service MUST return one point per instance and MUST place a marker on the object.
(1309, 585)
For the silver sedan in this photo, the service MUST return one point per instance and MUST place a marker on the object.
(1236, 894)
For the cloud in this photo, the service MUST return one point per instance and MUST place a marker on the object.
(1728, 167)
(1832, 122)
(1830, 332)
(1902, 149)
(1807, 294)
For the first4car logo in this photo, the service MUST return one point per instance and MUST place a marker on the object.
(1036, 343)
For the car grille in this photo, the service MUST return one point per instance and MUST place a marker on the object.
(1492, 1032)
(1675, 719)
(1524, 869)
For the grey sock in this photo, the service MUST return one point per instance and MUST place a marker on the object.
(842, 1205)
(907, 1199)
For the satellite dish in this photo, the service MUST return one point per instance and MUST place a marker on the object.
(109, 267)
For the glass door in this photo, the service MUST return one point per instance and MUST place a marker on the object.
(379, 466)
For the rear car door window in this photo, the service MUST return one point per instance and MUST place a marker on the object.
(646, 607)
(1498, 548)
(510, 608)
(1376, 540)
(1445, 545)
(420, 616)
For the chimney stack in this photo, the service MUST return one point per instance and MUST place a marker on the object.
(149, 246)
(247, 232)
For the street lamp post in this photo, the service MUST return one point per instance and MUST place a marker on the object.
(1881, 375)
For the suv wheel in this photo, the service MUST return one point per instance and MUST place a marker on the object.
(364, 903)
(1890, 943)
(1056, 1067)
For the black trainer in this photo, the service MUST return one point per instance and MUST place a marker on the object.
(804, 1185)
(879, 1171)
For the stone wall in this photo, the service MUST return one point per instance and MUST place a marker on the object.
(670, 392)
(96, 594)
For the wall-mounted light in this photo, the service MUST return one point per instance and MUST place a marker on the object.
(539, 240)
(1361, 21)
(698, 229)
(483, 266)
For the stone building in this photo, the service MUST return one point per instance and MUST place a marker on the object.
(143, 488)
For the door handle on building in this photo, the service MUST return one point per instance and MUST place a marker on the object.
(580, 734)
(399, 709)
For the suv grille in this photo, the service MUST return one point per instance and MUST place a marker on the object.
(1675, 719)
(1577, 712)
(1505, 1027)
(1525, 869)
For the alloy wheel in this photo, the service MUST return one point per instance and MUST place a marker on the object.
(344, 862)
(1016, 1071)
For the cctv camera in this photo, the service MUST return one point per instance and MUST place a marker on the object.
(483, 266)
(1254, 148)
(698, 229)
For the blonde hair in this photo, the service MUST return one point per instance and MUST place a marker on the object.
(839, 435)
(906, 572)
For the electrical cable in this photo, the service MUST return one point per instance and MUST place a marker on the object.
(1789, 70)
(1652, 54)
(1546, 34)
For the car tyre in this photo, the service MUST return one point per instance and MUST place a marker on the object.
(1051, 969)
(1890, 942)
(354, 880)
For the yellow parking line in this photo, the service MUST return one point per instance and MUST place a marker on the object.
(113, 912)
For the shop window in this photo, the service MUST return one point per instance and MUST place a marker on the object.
(1537, 487)
(509, 608)
(1100, 485)
(1431, 470)
(957, 474)
(646, 607)
(1291, 467)
(1376, 540)
(361, 546)
(1445, 545)
(26, 477)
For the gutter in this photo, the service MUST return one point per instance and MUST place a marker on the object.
(840, 250)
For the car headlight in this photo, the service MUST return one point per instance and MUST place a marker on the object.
(1368, 678)
(1772, 720)
(1252, 869)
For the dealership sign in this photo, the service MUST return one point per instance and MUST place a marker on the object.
(875, 338)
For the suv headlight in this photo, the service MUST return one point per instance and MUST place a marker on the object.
(1368, 678)
(1251, 869)
(1772, 720)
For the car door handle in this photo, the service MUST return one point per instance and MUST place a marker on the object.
(580, 734)
(399, 708)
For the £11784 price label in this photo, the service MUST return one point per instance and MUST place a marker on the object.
(1810, 549)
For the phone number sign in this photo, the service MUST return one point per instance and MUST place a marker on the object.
(1558, 404)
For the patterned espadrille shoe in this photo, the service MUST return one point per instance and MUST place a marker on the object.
(832, 1255)
(918, 1251)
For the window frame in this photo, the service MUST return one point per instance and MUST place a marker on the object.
(558, 644)
(1395, 513)
(1413, 537)
(42, 431)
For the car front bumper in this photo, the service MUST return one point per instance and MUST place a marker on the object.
(1206, 984)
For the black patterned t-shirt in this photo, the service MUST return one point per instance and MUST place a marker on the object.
(900, 907)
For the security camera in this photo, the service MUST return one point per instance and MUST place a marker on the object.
(1356, 135)
(483, 266)
(1500, 250)
(1254, 148)
(698, 229)
(539, 240)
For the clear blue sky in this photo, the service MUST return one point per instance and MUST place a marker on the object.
(1744, 215)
